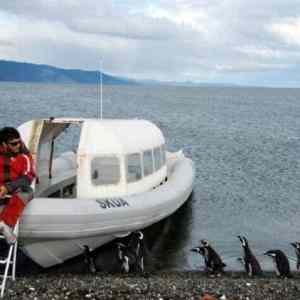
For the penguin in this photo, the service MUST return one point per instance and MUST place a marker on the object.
(281, 263)
(296, 245)
(89, 259)
(131, 256)
(123, 258)
(213, 261)
(251, 264)
(136, 245)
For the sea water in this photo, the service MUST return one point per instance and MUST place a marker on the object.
(245, 143)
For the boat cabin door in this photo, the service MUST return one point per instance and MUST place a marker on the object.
(39, 136)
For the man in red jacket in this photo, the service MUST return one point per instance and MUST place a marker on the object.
(16, 176)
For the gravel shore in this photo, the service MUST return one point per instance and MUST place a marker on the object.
(157, 285)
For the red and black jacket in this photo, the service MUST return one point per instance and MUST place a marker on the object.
(16, 170)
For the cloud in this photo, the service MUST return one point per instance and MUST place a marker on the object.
(160, 39)
(288, 30)
(250, 67)
(260, 52)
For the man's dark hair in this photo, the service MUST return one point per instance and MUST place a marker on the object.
(8, 133)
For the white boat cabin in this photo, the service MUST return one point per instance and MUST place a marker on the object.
(109, 158)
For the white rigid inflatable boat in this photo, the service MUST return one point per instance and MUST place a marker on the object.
(120, 178)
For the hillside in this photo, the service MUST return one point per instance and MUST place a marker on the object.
(27, 72)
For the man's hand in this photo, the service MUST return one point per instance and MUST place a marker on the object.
(3, 191)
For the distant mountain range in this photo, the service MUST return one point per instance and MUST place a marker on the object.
(188, 83)
(27, 72)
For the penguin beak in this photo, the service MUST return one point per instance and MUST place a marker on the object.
(294, 245)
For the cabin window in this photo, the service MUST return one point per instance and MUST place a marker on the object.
(105, 170)
(157, 158)
(163, 154)
(148, 162)
(134, 169)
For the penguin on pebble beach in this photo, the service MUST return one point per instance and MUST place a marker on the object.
(136, 244)
(131, 256)
(123, 257)
(296, 246)
(213, 261)
(89, 259)
(251, 264)
(281, 263)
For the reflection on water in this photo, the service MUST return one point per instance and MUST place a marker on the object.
(169, 237)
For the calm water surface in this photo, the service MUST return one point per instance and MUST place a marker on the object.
(245, 143)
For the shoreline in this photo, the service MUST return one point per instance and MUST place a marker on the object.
(160, 285)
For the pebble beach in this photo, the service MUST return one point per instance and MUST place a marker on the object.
(158, 285)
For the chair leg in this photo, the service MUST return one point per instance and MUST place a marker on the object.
(10, 261)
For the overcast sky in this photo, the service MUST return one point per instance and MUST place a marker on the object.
(233, 41)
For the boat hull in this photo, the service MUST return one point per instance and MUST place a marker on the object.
(53, 230)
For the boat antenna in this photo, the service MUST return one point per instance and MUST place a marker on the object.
(100, 106)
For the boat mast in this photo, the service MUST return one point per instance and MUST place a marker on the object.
(101, 90)
(100, 105)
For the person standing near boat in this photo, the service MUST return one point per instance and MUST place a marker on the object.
(16, 176)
